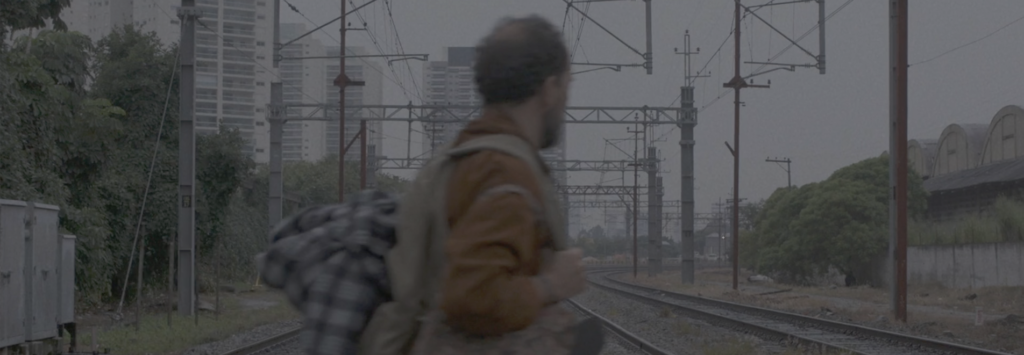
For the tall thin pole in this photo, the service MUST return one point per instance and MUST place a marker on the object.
(721, 233)
(341, 109)
(186, 162)
(687, 122)
(649, 56)
(821, 36)
(898, 31)
(789, 174)
(736, 161)
(170, 279)
(138, 285)
(274, 176)
(737, 83)
(636, 197)
(362, 154)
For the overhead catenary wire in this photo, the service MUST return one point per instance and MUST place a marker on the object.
(149, 182)
(990, 34)
(380, 50)
(401, 49)
(804, 35)
(348, 51)
(253, 60)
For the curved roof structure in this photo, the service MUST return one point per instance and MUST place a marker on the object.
(921, 155)
(1005, 138)
(959, 148)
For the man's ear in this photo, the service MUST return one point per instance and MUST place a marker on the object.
(549, 91)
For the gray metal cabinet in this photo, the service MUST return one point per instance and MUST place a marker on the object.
(42, 288)
(12, 272)
(66, 297)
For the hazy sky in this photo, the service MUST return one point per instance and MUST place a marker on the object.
(821, 122)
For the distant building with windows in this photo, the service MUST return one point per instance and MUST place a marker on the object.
(372, 93)
(233, 55)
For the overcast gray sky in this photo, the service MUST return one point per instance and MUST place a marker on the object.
(821, 122)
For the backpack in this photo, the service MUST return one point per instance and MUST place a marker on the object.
(365, 272)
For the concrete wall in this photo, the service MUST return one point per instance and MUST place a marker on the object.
(967, 266)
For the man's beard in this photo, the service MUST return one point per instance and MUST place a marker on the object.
(553, 125)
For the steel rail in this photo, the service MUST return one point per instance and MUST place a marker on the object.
(266, 343)
(633, 339)
(912, 343)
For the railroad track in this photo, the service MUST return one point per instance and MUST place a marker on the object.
(267, 344)
(782, 326)
(633, 340)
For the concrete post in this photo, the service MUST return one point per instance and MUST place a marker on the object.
(186, 161)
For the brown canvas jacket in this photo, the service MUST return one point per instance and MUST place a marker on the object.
(495, 243)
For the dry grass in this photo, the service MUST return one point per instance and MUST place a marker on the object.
(156, 337)
(867, 306)
(714, 282)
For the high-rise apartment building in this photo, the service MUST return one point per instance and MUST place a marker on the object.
(302, 83)
(450, 82)
(372, 93)
(234, 42)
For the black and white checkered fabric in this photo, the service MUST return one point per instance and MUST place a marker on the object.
(329, 260)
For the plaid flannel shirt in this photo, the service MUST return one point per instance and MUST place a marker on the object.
(329, 260)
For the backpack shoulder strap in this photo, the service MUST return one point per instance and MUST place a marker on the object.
(415, 260)
(522, 150)
(505, 143)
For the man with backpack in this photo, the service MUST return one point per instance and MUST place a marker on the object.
(477, 261)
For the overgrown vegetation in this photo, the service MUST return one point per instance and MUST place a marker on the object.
(838, 223)
(1003, 223)
(79, 124)
(156, 337)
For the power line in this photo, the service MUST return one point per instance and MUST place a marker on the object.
(968, 43)
(809, 31)
(401, 50)
(380, 50)
(348, 51)
(253, 60)
(713, 55)
(149, 180)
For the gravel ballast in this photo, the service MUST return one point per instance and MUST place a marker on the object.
(248, 337)
(670, 331)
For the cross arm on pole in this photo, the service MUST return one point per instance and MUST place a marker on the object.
(326, 24)
(606, 30)
(779, 32)
(420, 57)
(756, 7)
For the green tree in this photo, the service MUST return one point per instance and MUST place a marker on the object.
(317, 182)
(839, 223)
(25, 14)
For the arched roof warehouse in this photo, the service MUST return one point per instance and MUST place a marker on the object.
(921, 155)
(1005, 138)
(960, 148)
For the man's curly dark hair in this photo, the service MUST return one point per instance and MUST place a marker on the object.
(515, 59)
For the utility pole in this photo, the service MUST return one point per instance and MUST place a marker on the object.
(898, 33)
(362, 154)
(721, 231)
(187, 161)
(636, 179)
(737, 83)
(276, 128)
(686, 142)
(653, 214)
(789, 177)
(341, 81)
